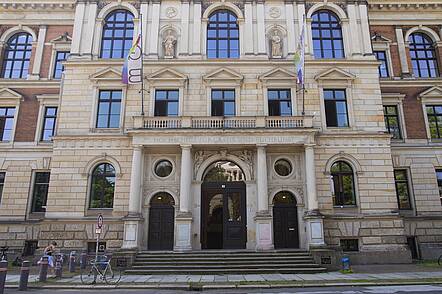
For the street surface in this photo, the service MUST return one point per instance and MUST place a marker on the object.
(421, 289)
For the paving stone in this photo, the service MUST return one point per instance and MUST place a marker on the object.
(235, 278)
(254, 278)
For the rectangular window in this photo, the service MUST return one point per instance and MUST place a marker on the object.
(60, 56)
(391, 117)
(439, 183)
(109, 104)
(336, 108)
(434, 115)
(280, 102)
(6, 123)
(402, 189)
(223, 102)
(383, 67)
(349, 245)
(40, 192)
(48, 129)
(166, 102)
(2, 184)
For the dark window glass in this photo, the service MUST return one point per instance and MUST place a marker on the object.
(336, 108)
(223, 102)
(2, 184)
(434, 115)
(40, 195)
(327, 35)
(402, 191)
(6, 123)
(383, 67)
(391, 117)
(92, 247)
(166, 102)
(102, 186)
(423, 56)
(283, 167)
(349, 245)
(222, 35)
(60, 56)
(280, 102)
(343, 184)
(439, 183)
(48, 128)
(163, 168)
(117, 35)
(16, 56)
(109, 104)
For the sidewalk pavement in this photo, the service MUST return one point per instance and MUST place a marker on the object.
(252, 281)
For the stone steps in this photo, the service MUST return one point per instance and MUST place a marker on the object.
(224, 262)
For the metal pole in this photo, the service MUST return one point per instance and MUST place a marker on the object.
(24, 276)
(58, 266)
(142, 64)
(3, 272)
(43, 269)
(72, 261)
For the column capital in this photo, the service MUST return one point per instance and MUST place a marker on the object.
(261, 145)
(309, 145)
(186, 146)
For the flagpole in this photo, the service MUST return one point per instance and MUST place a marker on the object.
(303, 66)
(142, 64)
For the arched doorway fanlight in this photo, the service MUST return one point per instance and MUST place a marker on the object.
(223, 171)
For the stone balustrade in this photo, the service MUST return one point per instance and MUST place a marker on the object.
(217, 122)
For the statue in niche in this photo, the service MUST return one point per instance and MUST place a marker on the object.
(276, 45)
(169, 45)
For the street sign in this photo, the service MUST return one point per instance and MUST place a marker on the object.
(99, 221)
(98, 231)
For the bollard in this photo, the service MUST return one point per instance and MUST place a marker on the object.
(43, 276)
(83, 260)
(72, 261)
(3, 272)
(24, 276)
(58, 266)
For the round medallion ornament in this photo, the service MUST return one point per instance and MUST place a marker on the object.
(275, 12)
(171, 12)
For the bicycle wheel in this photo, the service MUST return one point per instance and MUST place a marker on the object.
(112, 276)
(89, 275)
(439, 261)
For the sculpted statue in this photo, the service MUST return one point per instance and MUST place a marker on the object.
(276, 44)
(169, 45)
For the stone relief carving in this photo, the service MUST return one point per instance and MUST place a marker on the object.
(171, 12)
(198, 159)
(169, 44)
(276, 42)
(274, 12)
(247, 157)
(101, 5)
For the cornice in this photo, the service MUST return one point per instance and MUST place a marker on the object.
(406, 83)
(386, 5)
(37, 5)
(9, 83)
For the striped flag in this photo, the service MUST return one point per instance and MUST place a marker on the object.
(132, 68)
(300, 55)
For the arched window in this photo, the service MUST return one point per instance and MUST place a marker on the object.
(327, 35)
(118, 31)
(102, 186)
(343, 184)
(17, 55)
(222, 35)
(423, 56)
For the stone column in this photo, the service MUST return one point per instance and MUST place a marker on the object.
(402, 52)
(132, 238)
(263, 218)
(35, 73)
(315, 227)
(183, 220)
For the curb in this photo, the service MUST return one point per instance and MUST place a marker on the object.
(215, 286)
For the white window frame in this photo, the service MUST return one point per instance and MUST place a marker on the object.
(62, 43)
(10, 98)
(432, 96)
(396, 99)
(408, 212)
(385, 46)
(45, 100)
(36, 215)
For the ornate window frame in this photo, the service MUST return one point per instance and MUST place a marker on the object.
(10, 98)
(61, 43)
(397, 99)
(430, 97)
(380, 43)
(45, 100)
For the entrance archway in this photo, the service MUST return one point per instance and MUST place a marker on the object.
(285, 221)
(161, 222)
(223, 207)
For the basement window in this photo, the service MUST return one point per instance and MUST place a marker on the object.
(350, 245)
(91, 247)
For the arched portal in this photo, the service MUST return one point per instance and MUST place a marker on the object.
(223, 207)
(161, 222)
(285, 221)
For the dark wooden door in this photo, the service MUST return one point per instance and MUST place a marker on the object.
(161, 227)
(285, 226)
(223, 224)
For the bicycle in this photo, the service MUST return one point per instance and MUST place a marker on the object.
(100, 268)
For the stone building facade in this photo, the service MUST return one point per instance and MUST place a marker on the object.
(225, 150)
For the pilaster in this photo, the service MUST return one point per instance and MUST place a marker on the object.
(402, 51)
(35, 74)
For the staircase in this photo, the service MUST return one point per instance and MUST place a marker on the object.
(224, 262)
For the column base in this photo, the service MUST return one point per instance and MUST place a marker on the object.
(132, 232)
(264, 231)
(315, 229)
(183, 232)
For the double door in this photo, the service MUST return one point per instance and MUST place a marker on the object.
(223, 223)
